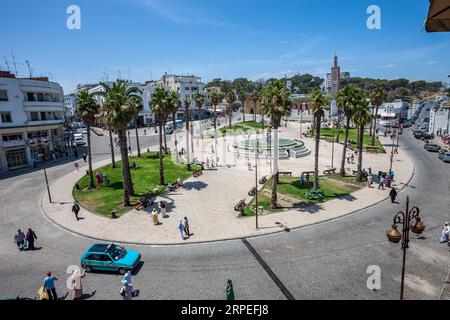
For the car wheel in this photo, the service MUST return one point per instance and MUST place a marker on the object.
(88, 269)
(122, 271)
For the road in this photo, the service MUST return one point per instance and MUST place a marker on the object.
(325, 261)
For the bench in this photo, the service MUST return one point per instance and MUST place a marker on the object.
(240, 206)
(285, 173)
(263, 180)
(330, 171)
(252, 192)
(197, 174)
(311, 173)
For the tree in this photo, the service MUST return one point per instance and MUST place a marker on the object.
(87, 110)
(346, 100)
(277, 104)
(216, 98)
(361, 118)
(319, 104)
(161, 107)
(377, 97)
(230, 96)
(174, 105)
(138, 107)
(242, 98)
(187, 115)
(199, 102)
(119, 111)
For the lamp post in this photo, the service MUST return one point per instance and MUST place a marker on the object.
(256, 181)
(332, 147)
(410, 220)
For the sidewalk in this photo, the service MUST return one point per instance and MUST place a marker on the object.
(208, 202)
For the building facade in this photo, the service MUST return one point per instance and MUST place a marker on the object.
(70, 104)
(440, 119)
(32, 121)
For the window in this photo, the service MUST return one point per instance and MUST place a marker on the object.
(30, 96)
(6, 117)
(34, 116)
(43, 116)
(3, 95)
(12, 137)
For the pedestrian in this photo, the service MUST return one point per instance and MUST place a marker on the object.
(353, 158)
(181, 228)
(19, 239)
(393, 194)
(186, 226)
(388, 181)
(348, 159)
(30, 237)
(370, 181)
(126, 290)
(127, 279)
(76, 210)
(381, 184)
(162, 208)
(249, 165)
(49, 286)
(155, 219)
(76, 165)
(302, 178)
(445, 233)
(75, 280)
(145, 132)
(84, 157)
(229, 291)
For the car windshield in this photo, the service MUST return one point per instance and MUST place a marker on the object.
(116, 252)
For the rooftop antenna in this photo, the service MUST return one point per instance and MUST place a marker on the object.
(29, 68)
(14, 61)
(7, 64)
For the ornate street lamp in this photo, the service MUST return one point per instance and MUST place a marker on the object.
(410, 220)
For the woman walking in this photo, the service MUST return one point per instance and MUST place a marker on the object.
(229, 290)
(30, 237)
(75, 278)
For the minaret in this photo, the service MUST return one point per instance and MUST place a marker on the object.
(335, 76)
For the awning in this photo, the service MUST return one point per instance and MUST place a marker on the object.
(438, 16)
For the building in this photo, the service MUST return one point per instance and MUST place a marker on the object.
(333, 80)
(391, 113)
(32, 121)
(440, 119)
(70, 104)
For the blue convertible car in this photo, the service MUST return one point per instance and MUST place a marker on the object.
(110, 257)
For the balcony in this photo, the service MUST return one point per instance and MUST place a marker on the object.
(32, 105)
(45, 122)
(13, 143)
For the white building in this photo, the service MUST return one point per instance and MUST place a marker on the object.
(440, 120)
(391, 113)
(70, 105)
(31, 122)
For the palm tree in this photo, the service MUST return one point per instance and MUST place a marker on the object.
(199, 102)
(87, 110)
(119, 111)
(138, 107)
(160, 103)
(378, 96)
(230, 96)
(242, 98)
(361, 118)
(319, 105)
(346, 100)
(278, 105)
(113, 160)
(187, 104)
(255, 98)
(216, 98)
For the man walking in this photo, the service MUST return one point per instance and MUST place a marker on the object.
(186, 226)
(76, 210)
(30, 238)
(49, 286)
(393, 194)
(84, 157)
(381, 184)
(19, 238)
(181, 228)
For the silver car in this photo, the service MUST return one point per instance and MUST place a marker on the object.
(445, 156)
(431, 147)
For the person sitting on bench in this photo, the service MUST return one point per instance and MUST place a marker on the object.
(135, 165)
(170, 187)
(180, 182)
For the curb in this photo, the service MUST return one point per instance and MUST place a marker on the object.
(232, 238)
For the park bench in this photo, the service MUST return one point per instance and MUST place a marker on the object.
(330, 171)
(197, 173)
(308, 172)
(240, 206)
(263, 180)
(252, 192)
(371, 149)
(288, 173)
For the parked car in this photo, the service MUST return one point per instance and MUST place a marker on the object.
(432, 147)
(110, 257)
(418, 134)
(79, 141)
(445, 156)
(427, 136)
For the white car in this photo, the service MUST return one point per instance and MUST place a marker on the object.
(79, 141)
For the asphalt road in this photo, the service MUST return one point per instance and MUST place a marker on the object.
(325, 261)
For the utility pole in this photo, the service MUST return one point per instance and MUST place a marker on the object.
(48, 187)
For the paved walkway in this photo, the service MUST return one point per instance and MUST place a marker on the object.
(208, 202)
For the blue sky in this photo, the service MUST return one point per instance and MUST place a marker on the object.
(220, 38)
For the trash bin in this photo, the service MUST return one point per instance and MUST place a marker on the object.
(114, 214)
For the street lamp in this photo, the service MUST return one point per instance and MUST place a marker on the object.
(256, 180)
(410, 220)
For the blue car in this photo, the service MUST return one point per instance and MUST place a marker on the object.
(110, 257)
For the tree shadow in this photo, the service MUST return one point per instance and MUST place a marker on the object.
(347, 197)
(308, 207)
(197, 185)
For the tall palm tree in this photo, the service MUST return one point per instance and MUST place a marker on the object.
(377, 96)
(242, 98)
(278, 104)
(138, 107)
(187, 105)
(87, 110)
(160, 106)
(361, 118)
(255, 98)
(113, 160)
(347, 99)
(119, 111)
(216, 98)
(230, 96)
(319, 105)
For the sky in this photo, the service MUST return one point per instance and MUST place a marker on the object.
(142, 39)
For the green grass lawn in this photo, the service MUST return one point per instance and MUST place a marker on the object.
(145, 182)
(333, 186)
(352, 136)
(242, 126)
